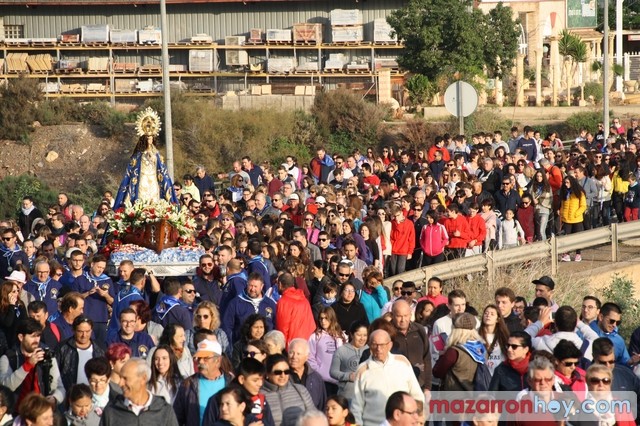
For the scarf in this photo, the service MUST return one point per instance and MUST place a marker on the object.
(328, 302)
(100, 401)
(93, 279)
(476, 350)
(255, 302)
(28, 211)
(166, 304)
(42, 287)
(520, 366)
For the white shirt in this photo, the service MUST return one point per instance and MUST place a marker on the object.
(137, 409)
(84, 355)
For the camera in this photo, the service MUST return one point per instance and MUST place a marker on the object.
(48, 357)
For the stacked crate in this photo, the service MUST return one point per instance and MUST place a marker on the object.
(346, 27)
(17, 63)
(202, 60)
(278, 37)
(95, 35)
(307, 34)
(40, 64)
(382, 32)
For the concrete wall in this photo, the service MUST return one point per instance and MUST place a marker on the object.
(280, 102)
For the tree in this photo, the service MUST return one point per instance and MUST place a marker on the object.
(574, 51)
(501, 43)
(446, 37)
(18, 100)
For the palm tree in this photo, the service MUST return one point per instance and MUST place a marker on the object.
(574, 51)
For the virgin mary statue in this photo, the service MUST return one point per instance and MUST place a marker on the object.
(146, 177)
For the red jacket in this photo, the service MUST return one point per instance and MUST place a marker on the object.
(477, 229)
(458, 224)
(293, 315)
(403, 237)
(431, 154)
(433, 239)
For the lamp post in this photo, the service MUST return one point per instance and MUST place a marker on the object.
(605, 68)
(166, 89)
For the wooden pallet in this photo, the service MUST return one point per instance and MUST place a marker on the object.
(358, 71)
(43, 44)
(68, 71)
(150, 69)
(96, 44)
(307, 72)
(278, 43)
(386, 43)
(333, 70)
(124, 44)
(307, 43)
(10, 43)
(124, 67)
(69, 44)
(255, 42)
(348, 43)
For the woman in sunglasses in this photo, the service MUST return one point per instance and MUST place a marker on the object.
(253, 328)
(287, 400)
(571, 376)
(207, 316)
(599, 382)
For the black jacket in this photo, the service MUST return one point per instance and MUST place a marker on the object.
(505, 378)
(67, 356)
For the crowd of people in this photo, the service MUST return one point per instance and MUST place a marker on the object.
(287, 316)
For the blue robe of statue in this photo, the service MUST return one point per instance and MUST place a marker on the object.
(139, 182)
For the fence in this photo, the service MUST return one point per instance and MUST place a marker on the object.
(489, 262)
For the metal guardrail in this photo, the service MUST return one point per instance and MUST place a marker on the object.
(489, 262)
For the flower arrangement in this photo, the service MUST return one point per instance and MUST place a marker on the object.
(126, 219)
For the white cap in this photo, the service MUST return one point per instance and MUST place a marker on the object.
(294, 197)
(17, 276)
(321, 199)
(208, 348)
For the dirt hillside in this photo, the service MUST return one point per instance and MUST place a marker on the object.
(66, 156)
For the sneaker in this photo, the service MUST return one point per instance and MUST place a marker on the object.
(565, 258)
(578, 258)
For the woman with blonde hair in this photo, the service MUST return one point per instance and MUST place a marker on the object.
(207, 316)
(457, 366)
(226, 223)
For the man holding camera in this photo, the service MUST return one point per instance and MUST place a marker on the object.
(30, 368)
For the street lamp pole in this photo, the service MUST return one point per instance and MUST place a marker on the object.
(166, 89)
(605, 68)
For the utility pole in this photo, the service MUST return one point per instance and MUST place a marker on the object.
(605, 68)
(166, 88)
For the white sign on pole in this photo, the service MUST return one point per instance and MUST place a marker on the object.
(461, 100)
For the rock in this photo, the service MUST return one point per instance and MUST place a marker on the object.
(84, 151)
(36, 124)
(40, 164)
(51, 156)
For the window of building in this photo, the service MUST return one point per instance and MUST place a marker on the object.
(14, 31)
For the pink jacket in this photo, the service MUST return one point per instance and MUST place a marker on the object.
(321, 349)
(433, 239)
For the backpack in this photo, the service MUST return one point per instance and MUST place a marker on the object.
(482, 376)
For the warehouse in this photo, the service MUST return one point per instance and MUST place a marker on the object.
(199, 33)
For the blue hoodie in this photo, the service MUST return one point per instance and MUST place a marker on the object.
(241, 307)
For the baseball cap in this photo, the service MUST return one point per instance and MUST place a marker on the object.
(321, 199)
(208, 348)
(17, 276)
(294, 197)
(546, 281)
(71, 251)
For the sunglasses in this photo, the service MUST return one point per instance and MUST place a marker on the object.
(570, 363)
(598, 380)
(344, 275)
(614, 322)
(406, 293)
(252, 354)
(397, 288)
(309, 219)
(190, 291)
(281, 372)
(7, 238)
(543, 380)
(322, 240)
(202, 316)
(514, 347)
(206, 264)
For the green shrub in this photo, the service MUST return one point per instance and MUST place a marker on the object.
(13, 188)
(420, 89)
(18, 99)
(59, 111)
(594, 89)
(484, 119)
(620, 292)
(346, 120)
(588, 120)
(102, 114)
